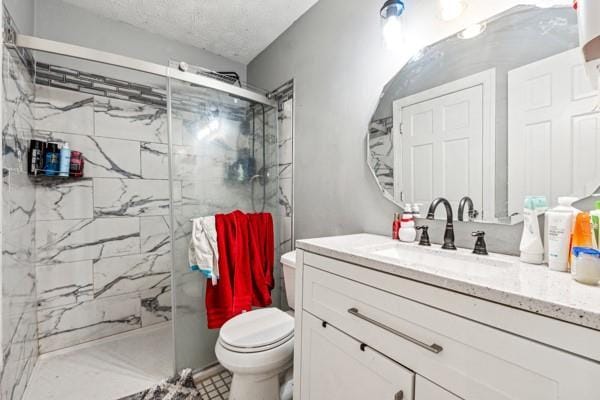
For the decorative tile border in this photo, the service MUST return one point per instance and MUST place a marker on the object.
(112, 88)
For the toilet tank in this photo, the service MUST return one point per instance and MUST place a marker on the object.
(288, 260)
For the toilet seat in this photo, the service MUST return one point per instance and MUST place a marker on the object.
(257, 331)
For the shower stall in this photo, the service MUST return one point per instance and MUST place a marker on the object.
(96, 287)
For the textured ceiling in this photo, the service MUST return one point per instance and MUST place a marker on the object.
(236, 29)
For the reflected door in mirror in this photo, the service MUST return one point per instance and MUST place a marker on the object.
(441, 147)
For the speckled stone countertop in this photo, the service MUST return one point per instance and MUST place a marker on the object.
(498, 278)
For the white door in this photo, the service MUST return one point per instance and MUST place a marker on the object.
(442, 148)
(334, 367)
(553, 137)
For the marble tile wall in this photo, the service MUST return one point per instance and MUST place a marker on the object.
(286, 180)
(381, 157)
(18, 293)
(103, 258)
(103, 242)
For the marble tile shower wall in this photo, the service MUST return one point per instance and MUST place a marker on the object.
(286, 181)
(103, 262)
(18, 296)
(103, 255)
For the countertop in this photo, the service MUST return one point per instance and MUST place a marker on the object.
(533, 288)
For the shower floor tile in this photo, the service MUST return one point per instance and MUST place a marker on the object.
(107, 369)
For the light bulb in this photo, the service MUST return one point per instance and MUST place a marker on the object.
(392, 32)
(451, 9)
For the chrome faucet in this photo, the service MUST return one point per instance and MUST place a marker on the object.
(472, 212)
(449, 233)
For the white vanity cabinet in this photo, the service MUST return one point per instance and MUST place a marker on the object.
(338, 367)
(360, 335)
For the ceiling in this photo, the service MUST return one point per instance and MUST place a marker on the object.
(236, 29)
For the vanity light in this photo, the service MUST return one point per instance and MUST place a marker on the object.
(451, 9)
(472, 31)
(391, 23)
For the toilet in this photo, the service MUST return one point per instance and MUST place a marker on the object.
(257, 346)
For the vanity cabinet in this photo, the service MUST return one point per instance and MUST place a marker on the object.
(338, 367)
(426, 390)
(424, 351)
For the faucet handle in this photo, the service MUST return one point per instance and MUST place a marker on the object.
(480, 245)
(424, 241)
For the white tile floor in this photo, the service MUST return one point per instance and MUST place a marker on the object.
(107, 369)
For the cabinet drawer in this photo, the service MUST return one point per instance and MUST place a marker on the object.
(472, 360)
(425, 390)
(337, 367)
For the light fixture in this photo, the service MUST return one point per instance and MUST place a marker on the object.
(472, 31)
(451, 9)
(391, 23)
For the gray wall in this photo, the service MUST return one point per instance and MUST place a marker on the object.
(336, 57)
(22, 12)
(56, 20)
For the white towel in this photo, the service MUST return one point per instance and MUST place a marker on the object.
(203, 252)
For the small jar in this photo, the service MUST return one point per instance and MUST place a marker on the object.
(585, 267)
(76, 166)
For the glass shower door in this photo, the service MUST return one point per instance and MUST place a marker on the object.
(223, 157)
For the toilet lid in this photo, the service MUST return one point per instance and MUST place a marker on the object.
(257, 329)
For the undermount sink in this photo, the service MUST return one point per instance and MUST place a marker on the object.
(411, 253)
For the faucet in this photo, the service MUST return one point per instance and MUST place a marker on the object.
(472, 213)
(449, 233)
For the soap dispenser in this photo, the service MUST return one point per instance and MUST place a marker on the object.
(407, 232)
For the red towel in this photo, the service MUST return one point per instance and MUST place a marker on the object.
(246, 259)
(262, 249)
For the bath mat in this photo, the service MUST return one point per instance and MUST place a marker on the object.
(180, 387)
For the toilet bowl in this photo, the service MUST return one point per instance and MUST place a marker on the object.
(257, 347)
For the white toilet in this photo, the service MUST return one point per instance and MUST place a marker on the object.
(257, 346)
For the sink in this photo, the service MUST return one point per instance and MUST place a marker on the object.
(412, 254)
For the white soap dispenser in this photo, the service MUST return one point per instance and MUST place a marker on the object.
(408, 231)
(531, 247)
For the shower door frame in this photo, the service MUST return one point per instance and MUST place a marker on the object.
(166, 71)
(89, 54)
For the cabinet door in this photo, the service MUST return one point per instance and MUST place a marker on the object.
(426, 390)
(336, 367)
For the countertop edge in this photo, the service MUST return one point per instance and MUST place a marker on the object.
(537, 306)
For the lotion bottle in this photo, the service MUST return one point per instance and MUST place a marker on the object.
(564, 205)
(559, 230)
(531, 247)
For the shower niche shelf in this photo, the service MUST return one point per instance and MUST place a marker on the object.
(42, 178)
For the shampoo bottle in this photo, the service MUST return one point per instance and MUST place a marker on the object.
(532, 248)
(65, 160)
(559, 231)
(52, 159)
(564, 205)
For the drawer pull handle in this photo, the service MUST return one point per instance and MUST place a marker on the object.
(399, 395)
(434, 348)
